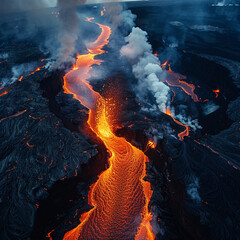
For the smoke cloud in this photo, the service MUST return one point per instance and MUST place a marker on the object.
(209, 108)
(192, 190)
(17, 72)
(69, 31)
(146, 67)
(62, 44)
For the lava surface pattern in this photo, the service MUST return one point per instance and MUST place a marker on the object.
(120, 197)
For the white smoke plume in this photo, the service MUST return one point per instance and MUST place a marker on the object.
(184, 118)
(192, 190)
(3, 55)
(147, 70)
(146, 67)
(209, 108)
(187, 120)
(128, 19)
(17, 72)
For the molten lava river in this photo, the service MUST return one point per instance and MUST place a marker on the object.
(120, 197)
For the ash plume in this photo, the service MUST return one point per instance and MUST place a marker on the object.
(146, 67)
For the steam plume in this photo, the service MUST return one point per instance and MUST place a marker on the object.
(146, 67)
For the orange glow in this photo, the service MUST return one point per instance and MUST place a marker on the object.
(206, 147)
(36, 70)
(173, 82)
(156, 54)
(103, 11)
(14, 115)
(29, 145)
(183, 134)
(49, 234)
(120, 196)
(168, 112)
(164, 65)
(186, 87)
(217, 91)
(20, 79)
(151, 144)
(3, 93)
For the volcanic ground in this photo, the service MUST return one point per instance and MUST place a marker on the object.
(49, 157)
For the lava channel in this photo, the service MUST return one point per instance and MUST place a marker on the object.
(120, 197)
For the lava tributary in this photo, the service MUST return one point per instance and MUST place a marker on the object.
(120, 197)
(175, 82)
(183, 134)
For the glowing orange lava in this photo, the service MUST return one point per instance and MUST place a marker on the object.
(164, 65)
(20, 79)
(14, 115)
(151, 144)
(3, 93)
(217, 91)
(36, 70)
(103, 11)
(174, 82)
(183, 134)
(120, 197)
(49, 234)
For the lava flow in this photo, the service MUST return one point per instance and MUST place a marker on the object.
(217, 91)
(183, 134)
(120, 197)
(188, 88)
(3, 93)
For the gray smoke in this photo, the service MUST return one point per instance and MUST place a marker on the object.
(61, 44)
(69, 30)
(17, 72)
